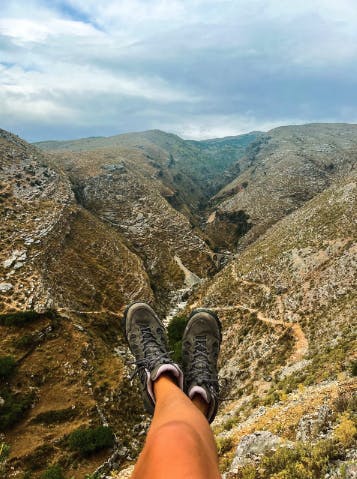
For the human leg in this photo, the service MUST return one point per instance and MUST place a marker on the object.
(180, 442)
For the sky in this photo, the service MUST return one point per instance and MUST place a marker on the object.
(197, 68)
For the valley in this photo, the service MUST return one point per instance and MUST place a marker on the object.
(260, 227)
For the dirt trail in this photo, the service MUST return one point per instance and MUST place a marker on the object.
(301, 342)
(103, 311)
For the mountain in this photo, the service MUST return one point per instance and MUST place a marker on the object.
(259, 227)
(280, 171)
(65, 277)
(192, 169)
(288, 308)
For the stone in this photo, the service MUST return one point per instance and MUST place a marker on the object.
(15, 257)
(18, 265)
(8, 262)
(252, 446)
(22, 256)
(119, 167)
(5, 287)
(2, 401)
(312, 425)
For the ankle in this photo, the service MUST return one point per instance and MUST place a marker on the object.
(199, 401)
(164, 383)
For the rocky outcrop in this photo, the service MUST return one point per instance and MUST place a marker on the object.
(252, 447)
(54, 254)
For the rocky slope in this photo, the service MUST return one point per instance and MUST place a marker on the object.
(58, 363)
(92, 225)
(279, 172)
(122, 190)
(288, 307)
(192, 170)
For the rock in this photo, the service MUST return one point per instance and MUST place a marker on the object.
(124, 473)
(5, 287)
(8, 262)
(17, 256)
(2, 401)
(123, 451)
(22, 256)
(18, 265)
(79, 327)
(252, 446)
(119, 167)
(312, 425)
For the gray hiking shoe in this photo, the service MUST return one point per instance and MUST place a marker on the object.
(146, 337)
(200, 348)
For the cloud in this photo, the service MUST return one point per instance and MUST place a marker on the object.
(198, 68)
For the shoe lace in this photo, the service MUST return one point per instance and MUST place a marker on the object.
(154, 352)
(201, 366)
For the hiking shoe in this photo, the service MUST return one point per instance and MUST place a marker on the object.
(146, 337)
(200, 348)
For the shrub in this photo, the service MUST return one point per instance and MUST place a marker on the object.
(354, 368)
(56, 416)
(224, 445)
(175, 332)
(20, 318)
(14, 408)
(4, 451)
(345, 431)
(249, 472)
(305, 461)
(7, 366)
(39, 458)
(53, 472)
(87, 441)
(26, 341)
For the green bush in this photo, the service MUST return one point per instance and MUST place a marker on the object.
(175, 331)
(53, 472)
(354, 368)
(14, 408)
(25, 342)
(55, 417)
(39, 458)
(4, 451)
(87, 441)
(305, 461)
(7, 366)
(20, 318)
(224, 445)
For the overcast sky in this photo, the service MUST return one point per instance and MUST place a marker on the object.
(198, 68)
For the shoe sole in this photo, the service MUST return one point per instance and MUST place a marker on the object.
(208, 311)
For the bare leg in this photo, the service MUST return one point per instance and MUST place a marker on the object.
(180, 442)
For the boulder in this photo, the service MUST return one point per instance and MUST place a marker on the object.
(5, 287)
(252, 446)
